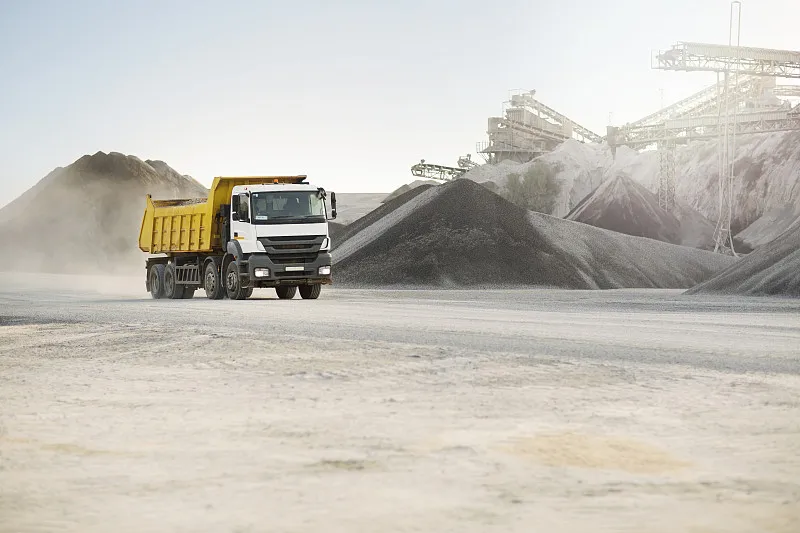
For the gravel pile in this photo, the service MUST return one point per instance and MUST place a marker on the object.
(768, 227)
(346, 232)
(771, 270)
(623, 205)
(86, 217)
(461, 234)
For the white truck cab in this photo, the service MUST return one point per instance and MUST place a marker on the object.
(279, 238)
(259, 211)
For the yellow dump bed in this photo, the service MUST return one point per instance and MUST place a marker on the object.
(193, 225)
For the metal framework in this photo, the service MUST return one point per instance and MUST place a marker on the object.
(526, 100)
(789, 91)
(679, 121)
(691, 128)
(466, 162)
(696, 117)
(527, 129)
(732, 62)
(436, 172)
(442, 172)
(695, 104)
(689, 56)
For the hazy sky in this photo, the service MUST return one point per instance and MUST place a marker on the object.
(351, 93)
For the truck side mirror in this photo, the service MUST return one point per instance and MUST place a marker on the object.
(333, 205)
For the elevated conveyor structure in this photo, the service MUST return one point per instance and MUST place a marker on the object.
(466, 162)
(442, 172)
(692, 105)
(436, 172)
(696, 117)
(788, 91)
(705, 57)
(682, 130)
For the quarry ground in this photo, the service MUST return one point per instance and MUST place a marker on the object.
(568, 411)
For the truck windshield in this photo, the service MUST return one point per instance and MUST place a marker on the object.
(289, 207)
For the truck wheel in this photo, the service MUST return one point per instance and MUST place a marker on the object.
(156, 275)
(215, 290)
(286, 292)
(310, 292)
(248, 292)
(172, 290)
(233, 283)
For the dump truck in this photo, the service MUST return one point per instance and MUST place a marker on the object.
(251, 232)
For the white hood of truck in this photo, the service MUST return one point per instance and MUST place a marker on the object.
(288, 230)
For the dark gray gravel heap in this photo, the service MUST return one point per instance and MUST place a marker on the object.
(345, 232)
(470, 236)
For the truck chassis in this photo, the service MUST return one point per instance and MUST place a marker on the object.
(221, 276)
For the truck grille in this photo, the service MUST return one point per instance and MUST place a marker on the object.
(292, 250)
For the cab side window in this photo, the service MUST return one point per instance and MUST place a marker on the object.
(244, 211)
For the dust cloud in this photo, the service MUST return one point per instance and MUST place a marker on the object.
(85, 218)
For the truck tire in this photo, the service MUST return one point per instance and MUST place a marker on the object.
(286, 292)
(249, 292)
(172, 290)
(215, 289)
(156, 276)
(310, 292)
(233, 283)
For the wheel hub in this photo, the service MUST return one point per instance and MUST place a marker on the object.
(232, 282)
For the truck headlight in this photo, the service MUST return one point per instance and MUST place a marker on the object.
(325, 271)
(261, 272)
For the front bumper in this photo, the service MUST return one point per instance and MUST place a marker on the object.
(279, 275)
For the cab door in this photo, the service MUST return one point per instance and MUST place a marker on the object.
(242, 229)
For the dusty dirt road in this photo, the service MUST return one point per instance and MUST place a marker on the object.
(465, 411)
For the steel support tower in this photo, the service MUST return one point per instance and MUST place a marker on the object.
(666, 176)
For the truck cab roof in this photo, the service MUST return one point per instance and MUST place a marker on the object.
(274, 187)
